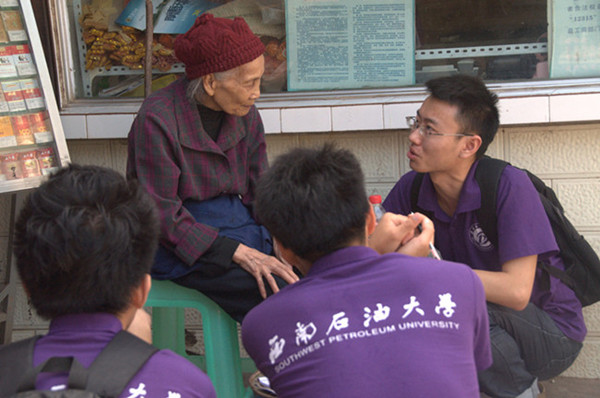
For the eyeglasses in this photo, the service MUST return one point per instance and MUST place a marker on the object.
(424, 131)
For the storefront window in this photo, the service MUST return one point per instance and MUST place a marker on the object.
(337, 45)
(494, 40)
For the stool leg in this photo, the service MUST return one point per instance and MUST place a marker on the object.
(223, 363)
(168, 329)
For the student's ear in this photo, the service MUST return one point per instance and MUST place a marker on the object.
(471, 146)
(209, 84)
(287, 256)
(140, 293)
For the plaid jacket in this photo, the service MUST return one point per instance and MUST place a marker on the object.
(174, 158)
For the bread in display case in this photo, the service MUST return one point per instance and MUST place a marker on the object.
(110, 37)
(32, 142)
(101, 58)
(112, 55)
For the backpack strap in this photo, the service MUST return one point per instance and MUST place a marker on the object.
(108, 375)
(488, 173)
(415, 189)
(546, 192)
(77, 373)
(118, 362)
(487, 176)
(15, 360)
(18, 373)
(565, 235)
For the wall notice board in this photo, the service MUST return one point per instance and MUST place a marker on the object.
(346, 44)
(575, 38)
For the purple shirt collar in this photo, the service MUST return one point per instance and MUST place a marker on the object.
(86, 323)
(341, 257)
(470, 196)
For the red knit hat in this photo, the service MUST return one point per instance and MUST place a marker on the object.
(216, 45)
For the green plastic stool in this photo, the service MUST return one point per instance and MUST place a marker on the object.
(222, 360)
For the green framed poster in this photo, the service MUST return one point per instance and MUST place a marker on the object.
(349, 44)
(574, 38)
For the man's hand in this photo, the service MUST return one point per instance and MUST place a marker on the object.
(398, 233)
(418, 245)
(261, 266)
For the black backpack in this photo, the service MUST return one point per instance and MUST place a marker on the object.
(582, 265)
(106, 377)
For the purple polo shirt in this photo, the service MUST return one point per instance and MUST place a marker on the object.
(364, 325)
(83, 336)
(523, 230)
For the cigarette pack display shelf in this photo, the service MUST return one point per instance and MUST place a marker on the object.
(27, 153)
(88, 76)
(9, 285)
(32, 142)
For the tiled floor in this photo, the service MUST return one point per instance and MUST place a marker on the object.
(560, 387)
(570, 387)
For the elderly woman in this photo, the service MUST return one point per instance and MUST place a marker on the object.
(198, 147)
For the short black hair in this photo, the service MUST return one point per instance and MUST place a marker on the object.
(83, 240)
(313, 200)
(477, 106)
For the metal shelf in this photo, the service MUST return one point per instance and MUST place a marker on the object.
(481, 51)
(88, 76)
(420, 55)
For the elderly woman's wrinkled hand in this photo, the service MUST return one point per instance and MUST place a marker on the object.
(261, 266)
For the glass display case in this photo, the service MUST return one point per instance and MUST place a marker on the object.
(32, 142)
(102, 42)
(496, 41)
(111, 55)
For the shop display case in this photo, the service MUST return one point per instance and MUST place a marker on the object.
(32, 142)
(514, 47)
(481, 38)
(101, 44)
(104, 50)
(111, 56)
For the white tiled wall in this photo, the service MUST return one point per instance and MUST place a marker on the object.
(357, 117)
(524, 110)
(308, 120)
(378, 114)
(566, 156)
(74, 126)
(108, 126)
(564, 108)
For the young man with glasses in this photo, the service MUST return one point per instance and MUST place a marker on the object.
(536, 332)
